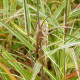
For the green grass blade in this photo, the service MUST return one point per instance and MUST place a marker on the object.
(49, 73)
(4, 76)
(27, 17)
(74, 13)
(5, 8)
(22, 31)
(64, 46)
(36, 70)
(19, 36)
(60, 8)
(18, 67)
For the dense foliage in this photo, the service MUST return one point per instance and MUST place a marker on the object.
(20, 36)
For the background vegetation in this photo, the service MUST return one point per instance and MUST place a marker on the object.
(18, 43)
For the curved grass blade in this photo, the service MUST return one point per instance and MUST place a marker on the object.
(49, 73)
(60, 8)
(7, 71)
(4, 76)
(36, 70)
(19, 36)
(74, 13)
(64, 46)
(23, 32)
(17, 66)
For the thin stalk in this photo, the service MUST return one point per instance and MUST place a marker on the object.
(64, 51)
(40, 41)
(38, 13)
(41, 62)
(26, 19)
(26, 27)
(38, 22)
(65, 23)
